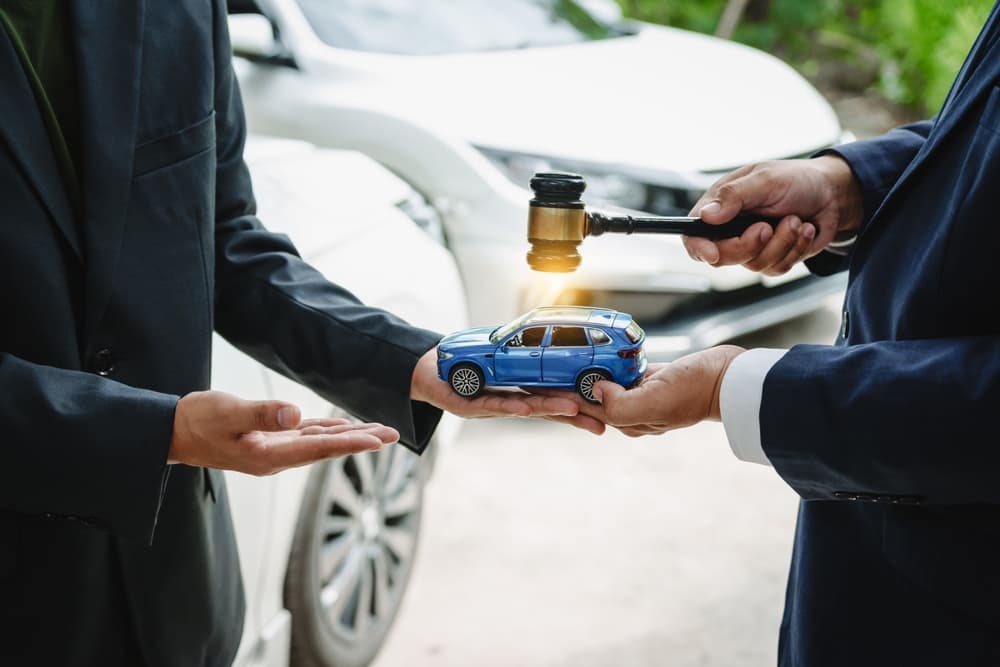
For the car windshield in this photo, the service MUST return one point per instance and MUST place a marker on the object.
(502, 332)
(431, 27)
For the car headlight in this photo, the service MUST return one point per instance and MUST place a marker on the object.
(442, 355)
(604, 187)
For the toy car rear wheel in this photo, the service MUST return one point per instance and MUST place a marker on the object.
(467, 380)
(585, 383)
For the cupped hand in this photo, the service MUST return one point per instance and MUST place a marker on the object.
(218, 430)
(426, 386)
(818, 200)
(670, 396)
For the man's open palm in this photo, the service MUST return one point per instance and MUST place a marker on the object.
(218, 430)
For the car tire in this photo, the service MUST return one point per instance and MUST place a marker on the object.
(352, 555)
(467, 380)
(586, 381)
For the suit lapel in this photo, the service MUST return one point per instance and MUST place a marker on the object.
(26, 139)
(969, 86)
(109, 57)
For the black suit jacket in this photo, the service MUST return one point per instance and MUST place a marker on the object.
(107, 555)
(892, 437)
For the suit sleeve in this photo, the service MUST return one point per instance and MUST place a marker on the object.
(279, 310)
(66, 433)
(912, 420)
(877, 164)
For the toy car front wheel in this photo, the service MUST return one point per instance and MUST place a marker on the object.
(467, 380)
(585, 383)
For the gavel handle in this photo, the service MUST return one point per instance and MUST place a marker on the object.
(599, 223)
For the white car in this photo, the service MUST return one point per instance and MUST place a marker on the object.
(466, 100)
(326, 551)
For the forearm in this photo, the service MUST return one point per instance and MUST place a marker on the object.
(285, 314)
(913, 419)
(878, 163)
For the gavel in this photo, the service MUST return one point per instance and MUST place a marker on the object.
(558, 222)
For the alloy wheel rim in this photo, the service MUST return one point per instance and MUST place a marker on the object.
(465, 381)
(367, 538)
(587, 384)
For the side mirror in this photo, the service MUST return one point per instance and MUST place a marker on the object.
(254, 37)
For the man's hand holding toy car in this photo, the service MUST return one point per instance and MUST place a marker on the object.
(670, 396)
(426, 386)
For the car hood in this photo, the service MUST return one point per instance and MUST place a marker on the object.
(663, 99)
(468, 338)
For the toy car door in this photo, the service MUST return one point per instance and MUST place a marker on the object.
(519, 359)
(568, 353)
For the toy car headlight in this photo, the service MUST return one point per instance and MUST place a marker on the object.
(442, 355)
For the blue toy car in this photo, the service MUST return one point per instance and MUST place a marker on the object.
(557, 346)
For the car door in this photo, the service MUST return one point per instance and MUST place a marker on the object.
(519, 359)
(568, 353)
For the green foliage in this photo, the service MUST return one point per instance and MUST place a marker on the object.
(924, 43)
(921, 43)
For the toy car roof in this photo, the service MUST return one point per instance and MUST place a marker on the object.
(578, 315)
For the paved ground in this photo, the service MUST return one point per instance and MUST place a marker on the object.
(550, 548)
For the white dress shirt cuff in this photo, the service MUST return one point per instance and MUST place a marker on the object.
(842, 248)
(739, 402)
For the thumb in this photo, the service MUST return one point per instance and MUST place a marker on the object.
(269, 416)
(732, 197)
(605, 391)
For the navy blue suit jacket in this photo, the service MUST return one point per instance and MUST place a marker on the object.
(106, 556)
(892, 437)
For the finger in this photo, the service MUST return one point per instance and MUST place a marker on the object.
(639, 431)
(305, 450)
(264, 416)
(712, 193)
(796, 254)
(338, 428)
(737, 250)
(620, 406)
(744, 193)
(324, 421)
(786, 236)
(519, 406)
(542, 406)
(607, 391)
(583, 422)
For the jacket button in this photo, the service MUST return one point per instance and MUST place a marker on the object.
(103, 363)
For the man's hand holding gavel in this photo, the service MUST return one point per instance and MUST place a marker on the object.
(818, 201)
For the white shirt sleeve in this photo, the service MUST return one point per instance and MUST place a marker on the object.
(739, 402)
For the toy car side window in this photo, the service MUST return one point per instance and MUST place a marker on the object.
(598, 337)
(528, 338)
(569, 337)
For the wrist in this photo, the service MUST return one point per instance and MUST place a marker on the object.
(845, 191)
(726, 355)
(426, 364)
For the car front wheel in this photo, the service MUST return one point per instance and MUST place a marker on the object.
(585, 383)
(467, 380)
(352, 555)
